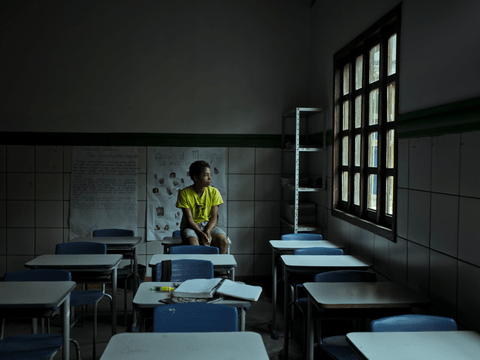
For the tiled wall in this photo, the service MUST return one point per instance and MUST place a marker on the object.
(35, 192)
(437, 250)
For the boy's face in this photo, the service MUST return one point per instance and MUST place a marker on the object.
(205, 178)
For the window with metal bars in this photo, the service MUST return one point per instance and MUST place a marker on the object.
(366, 88)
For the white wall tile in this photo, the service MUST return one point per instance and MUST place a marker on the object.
(67, 159)
(243, 240)
(355, 239)
(49, 214)
(141, 213)
(49, 186)
(402, 162)
(470, 164)
(21, 186)
(263, 265)
(20, 158)
(397, 260)
(3, 264)
(142, 187)
(263, 237)
(244, 265)
(445, 163)
(419, 217)
(3, 213)
(20, 213)
(3, 158)
(241, 214)
(443, 283)
(241, 160)
(420, 164)
(3, 186)
(469, 231)
(444, 227)
(20, 241)
(142, 159)
(66, 186)
(366, 248)
(267, 213)
(16, 263)
(3, 242)
(418, 268)
(66, 214)
(267, 187)
(241, 187)
(468, 295)
(380, 262)
(47, 239)
(49, 159)
(268, 161)
(402, 212)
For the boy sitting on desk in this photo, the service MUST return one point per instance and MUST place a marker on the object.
(199, 203)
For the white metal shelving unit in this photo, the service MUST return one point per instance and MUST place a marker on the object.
(299, 148)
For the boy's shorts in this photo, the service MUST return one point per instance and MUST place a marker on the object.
(187, 232)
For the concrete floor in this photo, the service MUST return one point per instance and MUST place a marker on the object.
(257, 320)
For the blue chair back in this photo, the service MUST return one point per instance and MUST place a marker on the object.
(112, 233)
(38, 275)
(193, 249)
(302, 236)
(185, 269)
(318, 251)
(413, 323)
(346, 276)
(176, 233)
(81, 248)
(195, 317)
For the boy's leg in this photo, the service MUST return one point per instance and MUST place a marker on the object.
(189, 237)
(219, 239)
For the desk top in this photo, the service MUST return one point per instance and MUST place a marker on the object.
(34, 294)
(364, 295)
(77, 261)
(145, 297)
(299, 244)
(314, 262)
(217, 259)
(424, 345)
(129, 241)
(198, 346)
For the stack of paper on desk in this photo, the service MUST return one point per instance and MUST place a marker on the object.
(239, 290)
(197, 288)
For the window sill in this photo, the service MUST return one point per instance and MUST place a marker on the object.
(364, 224)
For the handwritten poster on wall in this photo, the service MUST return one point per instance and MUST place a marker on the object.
(167, 174)
(103, 189)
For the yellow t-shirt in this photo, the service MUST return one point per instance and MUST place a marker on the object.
(200, 206)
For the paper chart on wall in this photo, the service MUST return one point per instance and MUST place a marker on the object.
(167, 174)
(103, 189)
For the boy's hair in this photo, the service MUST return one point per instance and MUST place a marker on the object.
(197, 168)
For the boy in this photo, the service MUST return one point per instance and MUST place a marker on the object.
(199, 203)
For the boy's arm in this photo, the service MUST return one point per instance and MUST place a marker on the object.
(213, 221)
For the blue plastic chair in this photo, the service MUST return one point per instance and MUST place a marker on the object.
(411, 322)
(195, 317)
(85, 297)
(185, 269)
(193, 249)
(302, 236)
(122, 274)
(337, 346)
(34, 346)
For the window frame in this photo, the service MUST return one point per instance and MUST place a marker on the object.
(378, 221)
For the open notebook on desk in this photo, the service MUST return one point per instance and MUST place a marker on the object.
(239, 290)
(207, 288)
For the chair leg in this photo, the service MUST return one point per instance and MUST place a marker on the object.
(77, 347)
(95, 331)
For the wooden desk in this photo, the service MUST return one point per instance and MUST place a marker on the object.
(309, 265)
(34, 298)
(146, 298)
(358, 295)
(221, 262)
(284, 247)
(181, 346)
(424, 345)
(91, 263)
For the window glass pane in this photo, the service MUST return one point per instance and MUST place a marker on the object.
(390, 148)
(358, 149)
(372, 192)
(389, 196)
(346, 109)
(373, 108)
(358, 112)
(345, 186)
(346, 79)
(372, 149)
(392, 54)
(391, 102)
(345, 151)
(356, 191)
(374, 66)
(358, 72)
